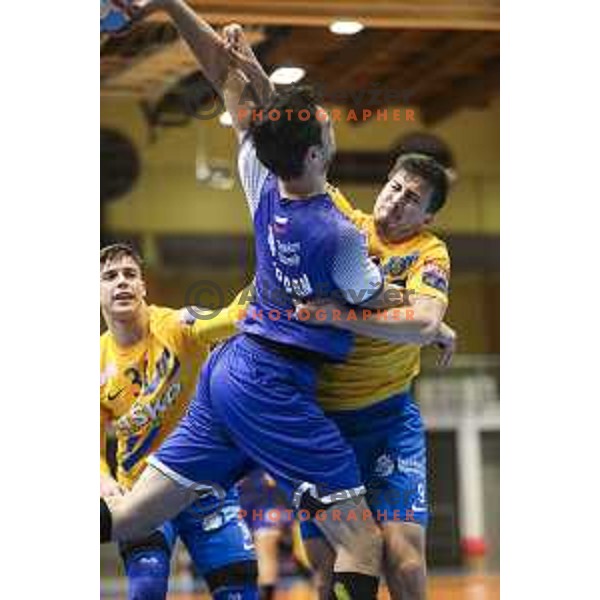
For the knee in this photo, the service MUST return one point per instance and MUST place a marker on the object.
(411, 569)
(408, 567)
(147, 567)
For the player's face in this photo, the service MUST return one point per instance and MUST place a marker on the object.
(401, 207)
(122, 288)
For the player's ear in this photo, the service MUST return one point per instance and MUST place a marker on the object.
(428, 218)
(314, 153)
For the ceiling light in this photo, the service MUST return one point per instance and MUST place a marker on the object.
(225, 119)
(346, 27)
(287, 75)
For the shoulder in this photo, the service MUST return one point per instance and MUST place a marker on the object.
(336, 229)
(432, 247)
(162, 316)
(105, 347)
(104, 339)
(343, 205)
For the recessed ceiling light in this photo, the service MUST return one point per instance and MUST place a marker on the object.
(346, 27)
(225, 119)
(287, 75)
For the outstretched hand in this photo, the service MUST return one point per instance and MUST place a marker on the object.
(446, 342)
(242, 57)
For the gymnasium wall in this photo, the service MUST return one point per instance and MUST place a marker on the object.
(168, 201)
(167, 197)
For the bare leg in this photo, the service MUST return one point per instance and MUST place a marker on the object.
(404, 560)
(355, 537)
(267, 551)
(322, 558)
(153, 500)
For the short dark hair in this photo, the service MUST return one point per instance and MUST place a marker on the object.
(429, 157)
(282, 144)
(115, 251)
(429, 170)
(429, 144)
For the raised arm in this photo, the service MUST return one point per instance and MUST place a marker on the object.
(228, 63)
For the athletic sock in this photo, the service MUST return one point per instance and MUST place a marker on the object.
(354, 586)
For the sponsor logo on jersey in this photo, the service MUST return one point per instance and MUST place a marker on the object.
(435, 276)
(397, 265)
(143, 413)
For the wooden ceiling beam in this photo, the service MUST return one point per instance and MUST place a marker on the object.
(475, 91)
(150, 76)
(481, 15)
(447, 61)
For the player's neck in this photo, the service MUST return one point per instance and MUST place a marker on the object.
(303, 187)
(129, 332)
(396, 238)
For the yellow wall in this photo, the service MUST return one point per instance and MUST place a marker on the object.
(168, 198)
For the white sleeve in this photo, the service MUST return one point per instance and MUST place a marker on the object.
(354, 273)
(252, 173)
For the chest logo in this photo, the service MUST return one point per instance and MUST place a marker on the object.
(397, 265)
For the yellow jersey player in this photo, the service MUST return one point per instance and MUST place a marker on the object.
(150, 359)
(368, 396)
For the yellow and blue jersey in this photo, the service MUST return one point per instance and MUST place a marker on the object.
(376, 370)
(145, 389)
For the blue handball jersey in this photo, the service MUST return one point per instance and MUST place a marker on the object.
(305, 249)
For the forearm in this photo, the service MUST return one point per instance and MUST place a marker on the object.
(401, 325)
(260, 83)
(206, 45)
(390, 296)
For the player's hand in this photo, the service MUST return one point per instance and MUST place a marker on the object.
(240, 52)
(446, 341)
(109, 487)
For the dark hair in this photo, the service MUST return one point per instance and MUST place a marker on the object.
(428, 144)
(431, 171)
(429, 157)
(114, 251)
(282, 144)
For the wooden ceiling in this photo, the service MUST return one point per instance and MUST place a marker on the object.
(437, 55)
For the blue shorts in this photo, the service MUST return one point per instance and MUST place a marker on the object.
(389, 441)
(255, 408)
(212, 532)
